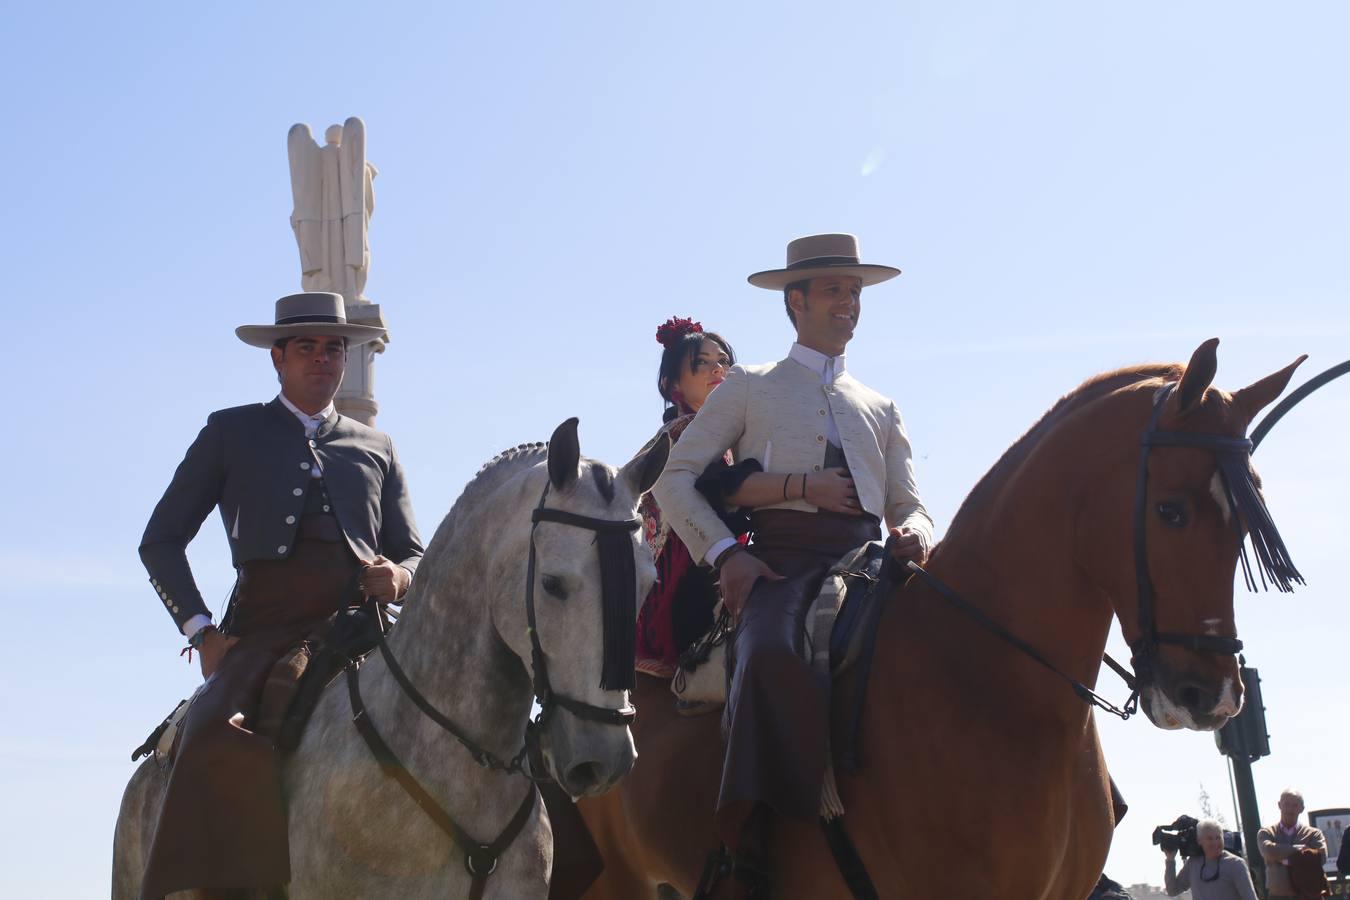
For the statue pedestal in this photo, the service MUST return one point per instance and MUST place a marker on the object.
(356, 397)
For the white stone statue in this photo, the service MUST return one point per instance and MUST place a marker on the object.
(334, 193)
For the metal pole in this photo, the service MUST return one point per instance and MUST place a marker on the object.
(1251, 819)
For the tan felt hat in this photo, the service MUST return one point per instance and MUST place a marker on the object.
(316, 312)
(822, 254)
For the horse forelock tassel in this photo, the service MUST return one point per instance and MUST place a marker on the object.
(618, 600)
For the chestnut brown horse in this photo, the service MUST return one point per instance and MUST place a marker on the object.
(976, 760)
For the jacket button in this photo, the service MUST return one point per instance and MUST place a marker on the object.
(305, 466)
(311, 443)
(820, 439)
(290, 520)
(816, 468)
(298, 491)
(325, 508)
(822, 412)
(281, 549)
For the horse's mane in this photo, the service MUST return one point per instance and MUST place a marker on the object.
(1094, 388)
(491, 474)
(501, 466)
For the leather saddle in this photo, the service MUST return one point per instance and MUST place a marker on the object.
(837, 625)
(293, 687)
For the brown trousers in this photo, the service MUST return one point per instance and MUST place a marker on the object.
(777, 714)
(223, 824)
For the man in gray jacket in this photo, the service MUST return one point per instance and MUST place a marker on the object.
(318, 517)
(802, 418)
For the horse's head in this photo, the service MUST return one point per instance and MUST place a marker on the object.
(571, 618)
(1193, 498)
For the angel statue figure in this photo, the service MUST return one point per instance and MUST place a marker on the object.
(334, 192)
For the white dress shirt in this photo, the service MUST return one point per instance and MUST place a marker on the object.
(830, 369)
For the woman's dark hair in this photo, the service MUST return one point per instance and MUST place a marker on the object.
(679, 349)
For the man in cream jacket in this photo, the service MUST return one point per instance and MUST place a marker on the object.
(846, 466)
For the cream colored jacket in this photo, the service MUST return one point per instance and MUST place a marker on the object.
(777, 414)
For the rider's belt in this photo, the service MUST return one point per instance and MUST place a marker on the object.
(828, 533)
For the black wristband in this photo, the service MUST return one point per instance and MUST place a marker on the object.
(803, 486)
(786, 479)
(726, 554)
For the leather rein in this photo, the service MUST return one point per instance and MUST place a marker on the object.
(480, 859)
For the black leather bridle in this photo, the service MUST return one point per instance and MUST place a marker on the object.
(1144, 648)
(619, 599)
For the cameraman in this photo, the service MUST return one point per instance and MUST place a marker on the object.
(1215, 874)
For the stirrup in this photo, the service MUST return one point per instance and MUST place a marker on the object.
(722, 863)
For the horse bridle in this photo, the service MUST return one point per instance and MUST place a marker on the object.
(620, 616)
(1233, 455)
(618, 597)
(1144, 648)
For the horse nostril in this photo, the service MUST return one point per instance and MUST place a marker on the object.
(1196, 698)
(583, 777)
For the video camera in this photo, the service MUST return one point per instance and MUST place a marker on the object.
(1180, 837)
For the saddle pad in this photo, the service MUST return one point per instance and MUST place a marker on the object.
(833, 626)
(293, 685)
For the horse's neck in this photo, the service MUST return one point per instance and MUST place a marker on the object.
(1016, 562)
(446, 644)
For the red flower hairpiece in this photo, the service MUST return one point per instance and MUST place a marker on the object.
(676, 328)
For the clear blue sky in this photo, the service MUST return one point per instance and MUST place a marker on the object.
(1068, 186)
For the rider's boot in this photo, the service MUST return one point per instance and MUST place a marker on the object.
(740, 872)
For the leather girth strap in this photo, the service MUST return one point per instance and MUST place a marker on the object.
(846, 858)
(479, 859)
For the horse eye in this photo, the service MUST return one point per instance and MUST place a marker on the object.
(1173, 514)
(553, 584)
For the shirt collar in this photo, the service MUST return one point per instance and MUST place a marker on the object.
(311, 423)
(829, 368)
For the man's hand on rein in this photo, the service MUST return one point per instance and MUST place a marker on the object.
(384, 580)
(737, 577)
(908, 545)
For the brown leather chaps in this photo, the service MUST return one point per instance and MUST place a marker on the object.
(777, 714)
(223, 824)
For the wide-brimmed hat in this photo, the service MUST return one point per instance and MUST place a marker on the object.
(316, 312)
(822, 254)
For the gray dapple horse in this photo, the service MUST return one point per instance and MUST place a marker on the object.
(464, 642)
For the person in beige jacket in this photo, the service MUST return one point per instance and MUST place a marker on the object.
(1286, 839)
(842, 464)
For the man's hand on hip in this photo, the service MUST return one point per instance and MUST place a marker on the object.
(738, 575)
(833, 490)
(908, 545)
(213, 649)
(384, 580)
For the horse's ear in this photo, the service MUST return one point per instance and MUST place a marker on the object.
(564, 454)
(1198, 377)
(642, 470)
(1254, 398)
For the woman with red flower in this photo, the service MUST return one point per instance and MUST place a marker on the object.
(679, 608)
